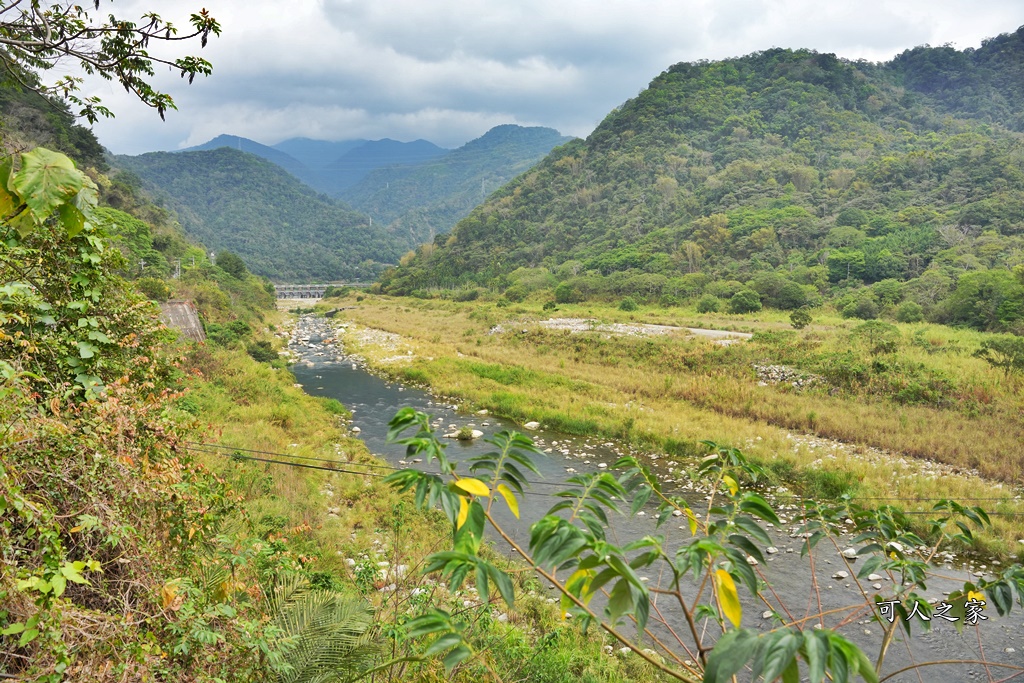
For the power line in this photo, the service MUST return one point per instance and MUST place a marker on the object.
(219, 450)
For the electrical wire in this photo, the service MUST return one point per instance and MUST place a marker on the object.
(217, 449)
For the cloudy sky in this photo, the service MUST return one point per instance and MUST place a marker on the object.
(448, 70)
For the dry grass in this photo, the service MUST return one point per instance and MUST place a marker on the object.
(545, 376)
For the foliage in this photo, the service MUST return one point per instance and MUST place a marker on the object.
(746, 301)
(427, 199)
(800, 318)
(66, 320)
(708, 304)
(39, 36)
(282, 229)
(628, 304)
(325, 634)
(231, 264)
(1005, 352)
(569, 548)
(909, 312)
(795, 174)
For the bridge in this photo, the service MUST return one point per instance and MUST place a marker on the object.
(310, 291)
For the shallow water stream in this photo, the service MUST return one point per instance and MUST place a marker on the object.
(324, 370)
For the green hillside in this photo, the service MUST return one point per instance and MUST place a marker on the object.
(799, 175)
(429, 198)
(283, 229)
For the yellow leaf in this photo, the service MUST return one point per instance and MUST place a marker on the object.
(727, 597)
(474, 486)
(734, 487)
(463, 512)
(692, 519)
(168, 592)
(510, 498)
(74, 529)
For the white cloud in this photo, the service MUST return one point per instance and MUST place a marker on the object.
(446, 70)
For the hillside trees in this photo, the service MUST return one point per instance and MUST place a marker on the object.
(786, 164)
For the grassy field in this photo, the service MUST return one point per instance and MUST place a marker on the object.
(895, 412)
(341, 527)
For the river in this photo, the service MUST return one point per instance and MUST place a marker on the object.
(324, 370)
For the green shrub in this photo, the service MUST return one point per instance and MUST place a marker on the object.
(909, 312)
(708, 304)
(261, 352)
(466, 295)
(746, 301)
(567, 294)
(628, 304)
(864, 308)
(881, 337)
(516, 293)
(153, 288)
(1005, 352)
(800, 318)
(549, 306)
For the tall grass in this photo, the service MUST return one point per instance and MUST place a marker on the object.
(670, 393)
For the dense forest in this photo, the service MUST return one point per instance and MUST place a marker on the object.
(283, 229)
(421, 200)
(785, 179)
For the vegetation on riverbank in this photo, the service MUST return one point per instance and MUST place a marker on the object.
(916, 391)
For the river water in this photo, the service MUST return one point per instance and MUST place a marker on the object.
(324, 370)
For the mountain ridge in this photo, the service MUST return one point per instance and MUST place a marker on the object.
(827, 174)
(282, 228)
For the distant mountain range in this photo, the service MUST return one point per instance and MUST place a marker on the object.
(421, 200)
(330, 167)
(416, 188)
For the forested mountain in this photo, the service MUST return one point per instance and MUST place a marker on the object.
(282, 159)
(797, 174)
(355, 164)
(28, 119)
(282, 229)
(330, 167)
(316, 154)
(428, 198)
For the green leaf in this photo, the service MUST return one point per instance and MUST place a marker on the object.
(780, 653)
(452, 659)
(46, 180)
(86, 350)
(730, 654)
(446, 641)
(815, 649)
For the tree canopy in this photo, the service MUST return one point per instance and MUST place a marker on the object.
(37, 36)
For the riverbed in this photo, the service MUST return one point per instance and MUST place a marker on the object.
(326, 370)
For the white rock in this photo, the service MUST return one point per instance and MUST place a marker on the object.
(356, 430)
(767, 614)
(840, 575)
(875, 577)
(877, 586)
(771, 550)
(850, 553)
(751, 561)
(535, 425)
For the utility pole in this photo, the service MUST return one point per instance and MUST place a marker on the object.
(142, 265)
(177, 269)
(482, 195)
